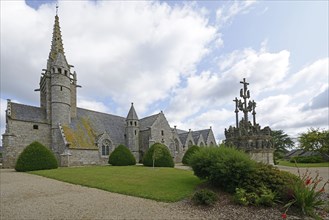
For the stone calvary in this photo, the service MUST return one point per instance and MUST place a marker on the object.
(248, 136)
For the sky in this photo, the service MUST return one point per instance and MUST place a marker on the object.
(185, 58)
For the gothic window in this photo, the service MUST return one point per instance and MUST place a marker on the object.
(190, 143)
(176, 145)
(106, 146)
(201, 144)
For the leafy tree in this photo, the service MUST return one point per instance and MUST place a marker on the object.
(315, 140)
(282, 142)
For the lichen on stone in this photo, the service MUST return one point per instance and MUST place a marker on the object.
(83, 137)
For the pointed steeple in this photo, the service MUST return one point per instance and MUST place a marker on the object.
(132, 113)
(56, 43)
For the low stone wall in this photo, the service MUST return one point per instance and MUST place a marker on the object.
(82, 158)
(265, 157)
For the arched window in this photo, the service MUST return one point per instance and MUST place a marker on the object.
(190, 143)
(176, 145)
(201, 144)
(106, 147)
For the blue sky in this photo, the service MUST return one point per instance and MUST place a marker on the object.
(185, 58)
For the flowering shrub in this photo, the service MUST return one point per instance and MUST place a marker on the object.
(306, 196)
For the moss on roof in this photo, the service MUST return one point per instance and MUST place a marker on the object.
(83, 137)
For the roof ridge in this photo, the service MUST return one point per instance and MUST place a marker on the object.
(104, 113)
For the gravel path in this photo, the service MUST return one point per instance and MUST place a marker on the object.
(27, 196)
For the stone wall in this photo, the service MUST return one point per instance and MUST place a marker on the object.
(83, 157)
(264, 156)
(20, 134)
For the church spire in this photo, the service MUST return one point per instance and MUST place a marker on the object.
(132, 115)
(57, 42)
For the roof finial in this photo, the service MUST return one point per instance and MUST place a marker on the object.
(57, 9)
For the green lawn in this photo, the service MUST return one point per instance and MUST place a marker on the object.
(288, 164)
(161, 184)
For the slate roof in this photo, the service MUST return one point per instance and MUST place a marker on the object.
(132, 113)
(204, 133)
(183, 137)
(147, 122)
(195, 136)
(99, 123)
(28, 113)
(293, 153)
(179, 131)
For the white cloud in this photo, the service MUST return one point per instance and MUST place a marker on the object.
(3, 107)
(226, 13)
(262, 68)
(92, 105)
(126, 51)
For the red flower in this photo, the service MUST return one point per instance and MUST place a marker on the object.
(308, 181)
(284, 216)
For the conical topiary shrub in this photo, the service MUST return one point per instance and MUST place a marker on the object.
(158, 156)
(188, 153)
(36, 157)
(121, 156)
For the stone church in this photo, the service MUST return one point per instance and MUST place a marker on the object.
(80, 136)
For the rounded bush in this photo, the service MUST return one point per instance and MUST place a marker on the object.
(222, 166)
(159, 156)
(272, 178)
(36, 157)
(188, 154)
(121, 156)
(204, 197)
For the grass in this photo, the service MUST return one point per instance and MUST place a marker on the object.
(160, 184)
(289, 164)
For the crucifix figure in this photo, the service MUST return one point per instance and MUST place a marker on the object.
(253, 103)
(245, 94)
(236, 112)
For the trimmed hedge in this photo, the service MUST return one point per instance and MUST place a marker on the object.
(36, 157)
(188, 154)
(160, 155)
(307, 159)
(121, 156)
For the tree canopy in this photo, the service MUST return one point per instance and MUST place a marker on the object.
(315, 140)
(282, 142)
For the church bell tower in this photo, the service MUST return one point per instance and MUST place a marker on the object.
(58, 89)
